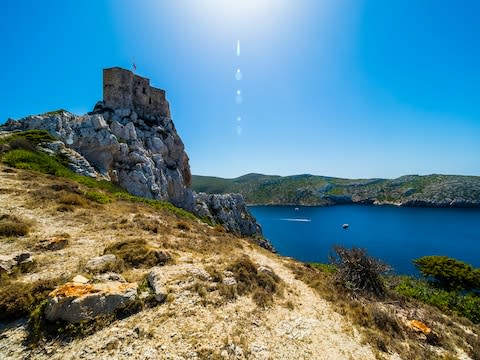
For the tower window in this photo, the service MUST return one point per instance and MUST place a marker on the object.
(150, 101)
(144, 91)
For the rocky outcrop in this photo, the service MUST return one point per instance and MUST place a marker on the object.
(135, 144)
(9, 263)
(75, 302)
(145, 156)
(228, 210)
(76, 162)
(156, 279)
(101, 263)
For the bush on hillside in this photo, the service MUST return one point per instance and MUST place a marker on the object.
(18, 298)
(359, 272)
(449, 273)
(11, 225)
(138, 253)
(33, 136)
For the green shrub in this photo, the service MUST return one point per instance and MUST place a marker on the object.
(22, 144)
(327, 268)
(54, 112)
(467, 305)
(359, 272)
(449, 273)
(36, 161)
(98, 197)
(33, 136)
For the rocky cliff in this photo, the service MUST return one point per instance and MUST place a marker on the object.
(142, 154)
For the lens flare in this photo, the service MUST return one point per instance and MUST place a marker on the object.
(238, 75)
(238, 97)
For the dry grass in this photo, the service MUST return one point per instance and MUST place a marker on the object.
(261, 285)
(18, 298)
(72, 199)
(11, 225)
(138, 253)
(383, 323)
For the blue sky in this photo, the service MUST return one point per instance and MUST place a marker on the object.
(345, 88)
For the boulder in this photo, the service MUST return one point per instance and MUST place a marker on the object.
(101, 263)
(52, 243)
(75, 302)
(419, 326)
(20, 260)
(79, 279)
(157, 279)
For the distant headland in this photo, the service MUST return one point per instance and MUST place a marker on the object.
(311, 190)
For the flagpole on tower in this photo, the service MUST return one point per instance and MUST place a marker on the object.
(134, 65)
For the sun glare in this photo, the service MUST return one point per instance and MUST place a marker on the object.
(245, 14)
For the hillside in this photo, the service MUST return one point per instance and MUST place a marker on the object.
(201, 293)
(410, 190)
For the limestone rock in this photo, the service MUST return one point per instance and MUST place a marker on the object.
(231, 212)
(76, 162)
(109, 276)
(419, 327)
(8, 263)
(101, 263)
(156, 279)
(229, 281)
(146, 156)
(52, 243)
(79, 279)
(74, 302)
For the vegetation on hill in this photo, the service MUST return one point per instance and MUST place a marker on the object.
(410, 190)
(359, 287)
(19, 150)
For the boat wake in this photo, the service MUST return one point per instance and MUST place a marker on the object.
(297, 220)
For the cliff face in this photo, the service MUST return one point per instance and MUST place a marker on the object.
(141, 153)
(144, 156)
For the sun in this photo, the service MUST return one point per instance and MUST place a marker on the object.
(240, 15)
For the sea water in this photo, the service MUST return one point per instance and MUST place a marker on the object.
(397, 235)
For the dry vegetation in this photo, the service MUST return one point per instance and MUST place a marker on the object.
(383, 321)
(11, 225)
(268, 312)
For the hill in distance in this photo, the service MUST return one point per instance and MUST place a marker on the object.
(409, 190)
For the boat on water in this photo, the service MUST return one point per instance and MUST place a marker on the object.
(345, 226)
(296, 209)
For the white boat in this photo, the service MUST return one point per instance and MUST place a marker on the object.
(345, 226)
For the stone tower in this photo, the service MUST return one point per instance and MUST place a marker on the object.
(122, 89)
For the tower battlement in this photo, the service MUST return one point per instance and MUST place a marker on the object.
(123, 89)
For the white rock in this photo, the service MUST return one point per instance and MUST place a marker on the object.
(79, 279)
(101, 263)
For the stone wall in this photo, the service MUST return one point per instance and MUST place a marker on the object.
(124, 90)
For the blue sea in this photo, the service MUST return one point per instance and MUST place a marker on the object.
(397, 235)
